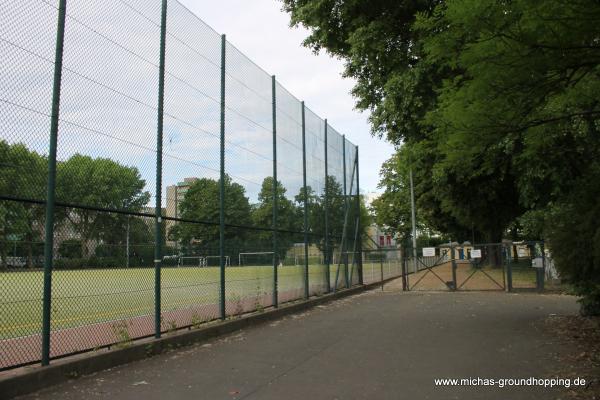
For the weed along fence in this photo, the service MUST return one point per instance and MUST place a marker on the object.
(154, 178)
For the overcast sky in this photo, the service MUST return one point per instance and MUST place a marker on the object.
(261, 30)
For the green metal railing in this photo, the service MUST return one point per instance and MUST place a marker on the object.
(168, 179)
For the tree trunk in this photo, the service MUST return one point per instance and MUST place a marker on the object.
(494, 249)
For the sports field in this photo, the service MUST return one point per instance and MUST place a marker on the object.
(82, 297)
(93, 308)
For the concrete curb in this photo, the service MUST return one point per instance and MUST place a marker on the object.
(30, 379)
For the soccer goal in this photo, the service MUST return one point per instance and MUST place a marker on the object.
(202, 261)
(215, 261)
(256, 259)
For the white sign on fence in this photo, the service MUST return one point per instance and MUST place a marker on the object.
(428, 251)
(475, 253)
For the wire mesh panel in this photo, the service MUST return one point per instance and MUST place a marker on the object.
(431, 269)
(315, 178)
(290, 205)
(353, 213)
(523, 259)
(27, 43)
(191, 170)
(337, 207)
(481, 268)
(137, 219)
(103, 277)
(249, 180)
(249, 285)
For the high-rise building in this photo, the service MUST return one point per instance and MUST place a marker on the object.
(175, 195)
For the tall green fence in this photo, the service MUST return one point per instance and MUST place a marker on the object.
(152, 177)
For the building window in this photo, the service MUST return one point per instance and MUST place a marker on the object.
(388, 240)
(381, 241)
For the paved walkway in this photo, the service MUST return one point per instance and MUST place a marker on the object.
(377, 345)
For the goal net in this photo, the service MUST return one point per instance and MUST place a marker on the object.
(202, 261)
(256, 259)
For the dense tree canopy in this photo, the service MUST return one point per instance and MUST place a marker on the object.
(101, 183)
(495, 104)
(20, 173)
(201, 203)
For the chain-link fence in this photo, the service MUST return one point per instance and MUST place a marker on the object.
(152, 177)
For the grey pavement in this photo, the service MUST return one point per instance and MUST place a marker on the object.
(376, 345)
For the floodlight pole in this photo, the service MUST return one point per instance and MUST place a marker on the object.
(413, 220)
(51, 189)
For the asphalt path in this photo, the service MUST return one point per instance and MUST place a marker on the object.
(376, 345)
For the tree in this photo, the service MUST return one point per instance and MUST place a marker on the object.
(99, 183)
(287, 218)
(22, 177)
(201, 204)
(523, 108)
(382, 53)
(498, 102)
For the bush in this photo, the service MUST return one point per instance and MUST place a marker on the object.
(70, 248)
(110, 250)
(70, 263)
(573, 234)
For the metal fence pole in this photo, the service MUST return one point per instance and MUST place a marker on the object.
(345, 207)
(541, 271)
(327, 250)
(453, 260)
(306, 288)
(275, 188)
(51, 189)
(359, 236)
(509, 280)
(159, 151)
(381, 270)
(222, 186)
(404, 270)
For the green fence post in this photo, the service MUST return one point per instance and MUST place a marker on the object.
(346, 207)
(51, 189)
(359, 236)
(509, 281)
(275, 249)
(404, 269)
(159, 154)
(222, 186)
(453, 260)
(327, 250)
(381, 270)
(306, 288)
(541, 272)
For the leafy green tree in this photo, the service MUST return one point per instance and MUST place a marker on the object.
(522, 108)
(201, 203)
(312, 203)
(262, 216)
(22, 176)
(392, 208)
(497, 101)
(382, 53)
(101, 183)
